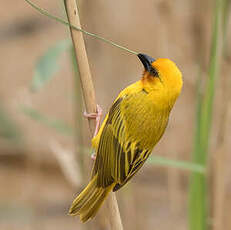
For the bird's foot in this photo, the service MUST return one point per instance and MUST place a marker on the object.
(93, 156)
(97, 116)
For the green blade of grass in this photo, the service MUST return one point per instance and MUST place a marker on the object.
(64, 22)
(198, 196)
(48, 65)
(8, 128)
(162, 161)
(58, 125)
(197, 204)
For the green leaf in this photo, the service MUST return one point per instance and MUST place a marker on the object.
(48, 65)
(58, 125)
(8, 128)
(177, 164)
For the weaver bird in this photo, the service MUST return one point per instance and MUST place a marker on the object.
(135, 123)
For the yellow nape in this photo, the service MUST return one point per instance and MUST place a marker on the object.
(166, 86)
(169, 73)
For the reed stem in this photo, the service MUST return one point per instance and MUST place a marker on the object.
(89, 95)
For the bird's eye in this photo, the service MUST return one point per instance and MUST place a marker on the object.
(154, 72)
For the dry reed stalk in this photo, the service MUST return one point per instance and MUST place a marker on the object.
(82, 60)
(89, 97)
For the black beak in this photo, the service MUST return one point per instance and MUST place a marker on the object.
(147, 61)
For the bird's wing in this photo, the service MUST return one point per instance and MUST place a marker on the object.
(118, 158)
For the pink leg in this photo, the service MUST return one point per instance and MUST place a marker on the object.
(93, 156)
(97, 116)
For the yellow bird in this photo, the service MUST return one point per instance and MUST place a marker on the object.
(133, 126)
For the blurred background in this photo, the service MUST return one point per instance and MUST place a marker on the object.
(44, 141)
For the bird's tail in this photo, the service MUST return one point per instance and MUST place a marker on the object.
(88, 202)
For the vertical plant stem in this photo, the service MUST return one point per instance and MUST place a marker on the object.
(78, 110)
(89, 95)
(197, 204)
(198, 195)
(82, 60)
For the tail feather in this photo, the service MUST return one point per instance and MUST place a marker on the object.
(89, 200)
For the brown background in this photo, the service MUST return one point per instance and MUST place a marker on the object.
(34, 191)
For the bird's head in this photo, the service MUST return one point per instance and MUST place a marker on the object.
(161, 74)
